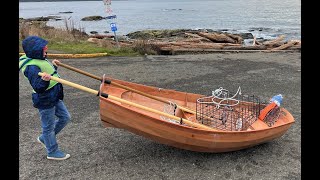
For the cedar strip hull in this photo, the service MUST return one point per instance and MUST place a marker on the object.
(152, 126)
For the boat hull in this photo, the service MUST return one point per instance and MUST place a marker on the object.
(152, 126)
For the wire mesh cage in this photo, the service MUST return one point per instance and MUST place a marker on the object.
(226, 111)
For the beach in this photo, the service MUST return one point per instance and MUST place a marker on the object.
(108, 153)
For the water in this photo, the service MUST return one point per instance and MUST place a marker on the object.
(263, 18)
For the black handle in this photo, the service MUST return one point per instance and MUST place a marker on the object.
(103, 94)
(107, 81)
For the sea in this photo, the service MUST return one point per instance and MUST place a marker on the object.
(265, 19)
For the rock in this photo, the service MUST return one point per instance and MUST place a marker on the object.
(38, 19)
(246, 35)
(122, 38)
(41, 18)
(100, 36)
(79, 32)
(152, 34)
(92, 18)
(93, 40)
(93, 32)
(66, 12)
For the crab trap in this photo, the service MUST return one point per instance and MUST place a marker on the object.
(226, 111)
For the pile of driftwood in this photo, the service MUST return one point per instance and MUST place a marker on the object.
(202, 41)
(225, 41)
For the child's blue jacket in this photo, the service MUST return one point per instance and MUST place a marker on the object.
(42, 99)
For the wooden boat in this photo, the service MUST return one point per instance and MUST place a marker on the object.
(155, 127)
(195, 123)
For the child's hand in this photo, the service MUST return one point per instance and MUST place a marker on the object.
(46, 77)
(55, 61)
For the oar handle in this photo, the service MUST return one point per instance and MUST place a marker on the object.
(71, 84)
(78, 70)
(181, 120)
(109, 82)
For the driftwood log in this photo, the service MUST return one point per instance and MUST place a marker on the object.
(196, 40)
(287, 45)
(255, 42)
(260, 47)
(189, 45)
(275, 42)
(224, 38)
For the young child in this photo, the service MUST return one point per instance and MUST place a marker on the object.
(47, 95)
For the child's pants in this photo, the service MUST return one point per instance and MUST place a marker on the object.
(52, 126)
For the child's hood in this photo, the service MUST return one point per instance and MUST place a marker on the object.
(33, 47)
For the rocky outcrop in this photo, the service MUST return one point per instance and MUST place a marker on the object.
(42, 18)
(92, 18)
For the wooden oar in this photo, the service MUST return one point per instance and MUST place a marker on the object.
(124, 87)
(178, 119)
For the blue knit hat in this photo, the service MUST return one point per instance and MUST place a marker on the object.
(33, 47)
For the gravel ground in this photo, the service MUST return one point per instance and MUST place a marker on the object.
(108, 153)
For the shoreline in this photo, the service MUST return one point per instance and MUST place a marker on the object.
(170, 41)
(260, 32)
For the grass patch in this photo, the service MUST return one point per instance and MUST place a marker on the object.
(72, 41)
(80, 47)
(83, 47)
